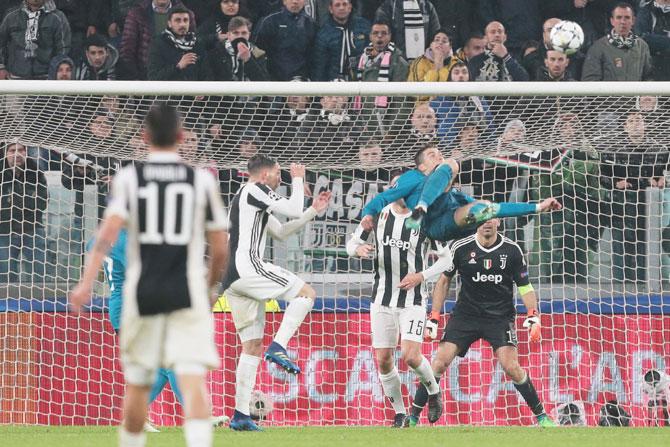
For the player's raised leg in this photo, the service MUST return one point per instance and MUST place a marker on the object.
(481, 211)
(438, 182)
(445, 223)
(509, 360)
(294, 315)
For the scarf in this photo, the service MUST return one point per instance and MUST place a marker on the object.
(346, 43)
(415, 38)
(32, 31)
(366, 60)
(185, 43)
(310, 9)
(299, 117)
(233, 57)
(334, 118)
(620, 42)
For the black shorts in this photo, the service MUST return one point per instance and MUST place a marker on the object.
(465, 330)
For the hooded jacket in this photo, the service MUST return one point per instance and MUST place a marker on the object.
(53, 38)
(55, 62)
(84, 70)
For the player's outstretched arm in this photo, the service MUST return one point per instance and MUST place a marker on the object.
(104, 240)
(281, 231)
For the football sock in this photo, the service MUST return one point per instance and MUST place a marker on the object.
(527, 390)
(420, 398)
(513, 209)
(294, 315)
(127, 439)
(245, 381)
(425, 374)
(198, 433)
(159, 384)
(391, 386)
(435, 185)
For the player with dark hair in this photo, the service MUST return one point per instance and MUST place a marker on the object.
(396, 313)
(170, 210)
(443, 212)
(488, 265)
(250, 280)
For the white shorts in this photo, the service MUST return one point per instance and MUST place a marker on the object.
(247, 297)
(183, 338)
(276, 282)
(389, 323)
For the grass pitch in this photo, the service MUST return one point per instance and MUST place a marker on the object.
(25, 436)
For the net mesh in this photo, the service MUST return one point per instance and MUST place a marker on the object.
(601, 265)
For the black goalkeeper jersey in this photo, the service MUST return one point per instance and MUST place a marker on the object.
(487, 276)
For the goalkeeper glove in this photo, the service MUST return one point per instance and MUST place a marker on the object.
(532, 322)
(432, 324)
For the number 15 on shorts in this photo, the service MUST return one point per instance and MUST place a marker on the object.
(416, 327)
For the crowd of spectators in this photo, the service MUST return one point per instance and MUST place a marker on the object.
(361, 40)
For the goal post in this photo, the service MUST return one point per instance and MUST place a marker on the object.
(601, 266)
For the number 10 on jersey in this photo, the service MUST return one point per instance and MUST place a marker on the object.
(171, 223)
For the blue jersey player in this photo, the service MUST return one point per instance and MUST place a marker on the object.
(115, 274)
(443, 212)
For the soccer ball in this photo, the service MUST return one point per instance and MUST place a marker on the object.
(567, 37)
(260, 405)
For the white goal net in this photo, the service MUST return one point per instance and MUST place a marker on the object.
(601, 265)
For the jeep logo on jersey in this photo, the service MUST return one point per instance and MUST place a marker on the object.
(391, 242)
(495, 279)
(487, 263)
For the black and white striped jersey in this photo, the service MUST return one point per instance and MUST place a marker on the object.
(249, 217)
(399, 251)
(168, 207)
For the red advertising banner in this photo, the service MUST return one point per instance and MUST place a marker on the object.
(73, 375)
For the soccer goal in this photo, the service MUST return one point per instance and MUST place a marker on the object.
(601, 266)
